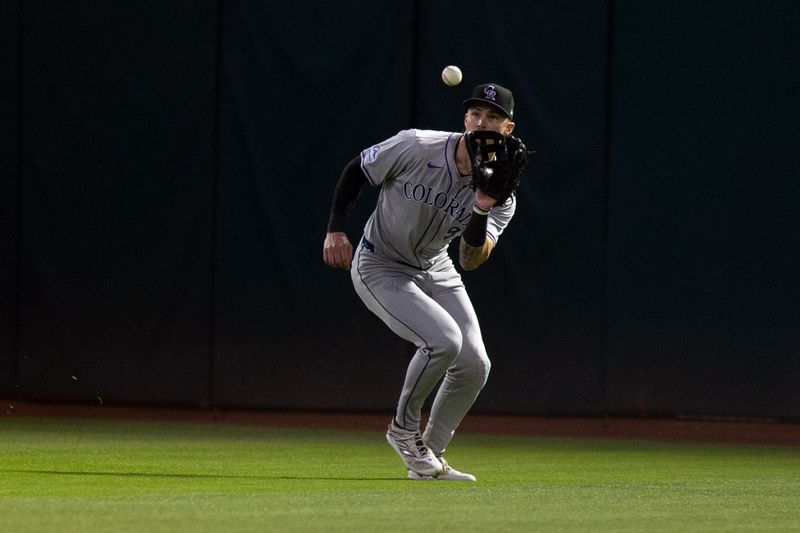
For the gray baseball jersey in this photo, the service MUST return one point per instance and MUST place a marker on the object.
(424, 202)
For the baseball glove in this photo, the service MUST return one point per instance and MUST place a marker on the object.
(497, 162)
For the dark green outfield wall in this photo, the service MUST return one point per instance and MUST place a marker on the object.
(167, 171)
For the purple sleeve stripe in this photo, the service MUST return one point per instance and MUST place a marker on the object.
(366, 172)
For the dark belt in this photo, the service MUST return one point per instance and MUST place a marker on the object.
(371, 247)
(368, 245)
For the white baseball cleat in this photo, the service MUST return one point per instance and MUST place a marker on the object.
(448, 473)
(409, 446)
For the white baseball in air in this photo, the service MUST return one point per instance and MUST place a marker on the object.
(451, 75)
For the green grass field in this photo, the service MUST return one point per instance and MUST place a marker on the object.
(137, 476)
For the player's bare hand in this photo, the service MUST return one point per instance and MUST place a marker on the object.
(483, 200)
(337, 250)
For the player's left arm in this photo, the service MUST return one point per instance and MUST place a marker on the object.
(484, 229)
(471, 257)
(476, 247)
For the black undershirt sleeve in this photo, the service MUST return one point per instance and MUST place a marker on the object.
(475, 232)
(346, 194)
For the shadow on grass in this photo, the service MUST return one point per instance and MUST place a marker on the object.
(196, 476)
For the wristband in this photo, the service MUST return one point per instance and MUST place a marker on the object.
(481, 211)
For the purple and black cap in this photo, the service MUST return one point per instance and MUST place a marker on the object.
(494, 95)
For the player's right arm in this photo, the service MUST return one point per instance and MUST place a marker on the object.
(337, 251)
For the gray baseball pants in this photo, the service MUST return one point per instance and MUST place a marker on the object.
(432, 310)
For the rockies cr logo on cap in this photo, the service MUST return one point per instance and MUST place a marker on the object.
(494, 95)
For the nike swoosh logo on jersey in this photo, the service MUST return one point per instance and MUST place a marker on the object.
(431, 165)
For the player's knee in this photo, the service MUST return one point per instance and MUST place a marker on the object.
(487, 367)
(450, 342)
(479, 370)
(474, 367)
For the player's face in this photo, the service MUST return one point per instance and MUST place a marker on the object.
(481, 117)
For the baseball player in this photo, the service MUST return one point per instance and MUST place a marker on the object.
(433, 189)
